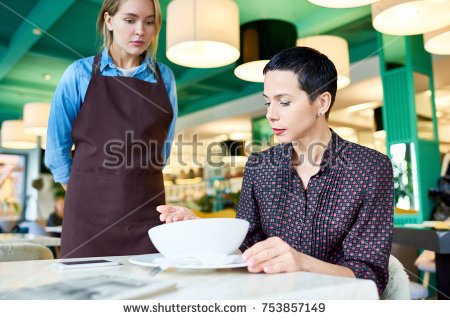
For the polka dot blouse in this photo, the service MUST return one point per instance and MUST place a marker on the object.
(345, 217)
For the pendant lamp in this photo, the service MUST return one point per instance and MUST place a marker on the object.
(14, 136)
(202, 33)
(336, 49)
(342, 3)
(438, 42)
(260, 41)
(406, 17)
(35, 118)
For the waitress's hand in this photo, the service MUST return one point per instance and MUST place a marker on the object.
(175, 213)
(272, 255)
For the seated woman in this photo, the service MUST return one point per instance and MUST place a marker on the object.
(55, 219)
(315, 202)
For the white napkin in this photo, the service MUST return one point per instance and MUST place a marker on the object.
(207, 259)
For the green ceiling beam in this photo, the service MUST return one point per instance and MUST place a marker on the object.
(220, 98)
(192, 76)
(42, 16)
(363, 51)
(10, 112)
(27, 88)
(10, 115)
(206, 88)
(327, 19)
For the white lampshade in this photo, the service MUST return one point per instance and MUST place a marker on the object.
(202, 33)
(251, 71)
(438, 42)
(336, 49)
(260, 41)
(342, 3)
(14, 136)
(406, 17)
(35, 118)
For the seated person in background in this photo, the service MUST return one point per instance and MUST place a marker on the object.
(315, 202)
(56, 218)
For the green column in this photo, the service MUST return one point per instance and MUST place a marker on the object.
(409, 119)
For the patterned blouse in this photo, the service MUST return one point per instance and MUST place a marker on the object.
(345, 216)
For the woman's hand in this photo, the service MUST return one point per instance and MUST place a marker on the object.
(175, 213)
(272, 255)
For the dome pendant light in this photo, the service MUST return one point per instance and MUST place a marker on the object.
(438, 42)
(202, 33)
(35, 118)
(342, 3)
(14, 136)
(260, 41)
(336, 49)
(406, 17)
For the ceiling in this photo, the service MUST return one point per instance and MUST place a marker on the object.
(69, 34)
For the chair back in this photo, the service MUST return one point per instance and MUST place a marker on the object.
(32, 227)
(24, 252)
(398, 283)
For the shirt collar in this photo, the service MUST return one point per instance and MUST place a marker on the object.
(333, 151)
(106, 61)
(331, 156)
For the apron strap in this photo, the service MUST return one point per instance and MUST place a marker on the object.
(159, 79)
(96, 65)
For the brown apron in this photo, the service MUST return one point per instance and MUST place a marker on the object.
(116, 180)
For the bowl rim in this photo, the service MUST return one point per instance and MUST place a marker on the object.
(168, 225)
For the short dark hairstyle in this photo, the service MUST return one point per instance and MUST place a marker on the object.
(315, 73)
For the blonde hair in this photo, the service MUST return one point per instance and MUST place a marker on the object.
(112, 6)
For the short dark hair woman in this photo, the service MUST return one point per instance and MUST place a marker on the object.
(315, 202)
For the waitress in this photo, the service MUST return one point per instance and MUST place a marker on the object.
(118, 109)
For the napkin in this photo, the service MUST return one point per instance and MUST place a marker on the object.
(207, 259)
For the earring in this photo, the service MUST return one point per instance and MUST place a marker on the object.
(319, 114)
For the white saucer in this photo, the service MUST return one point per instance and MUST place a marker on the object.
(147, 261)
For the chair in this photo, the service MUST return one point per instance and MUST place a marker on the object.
(24, 252)
(418, 291)
(33, 228)
(398, 287)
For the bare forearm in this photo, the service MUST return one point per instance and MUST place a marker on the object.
(274, 255)
(311, 264)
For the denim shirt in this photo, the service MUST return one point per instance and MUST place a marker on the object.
(69, 97)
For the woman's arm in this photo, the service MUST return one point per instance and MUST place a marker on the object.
(367, 246)
(274, 256)
(169, 82)
(66, 105)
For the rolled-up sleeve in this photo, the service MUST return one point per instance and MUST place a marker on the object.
(248, 206)
(65, 108)
(367, 246)
(169, 81)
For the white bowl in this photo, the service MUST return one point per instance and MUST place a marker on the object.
(199, 236)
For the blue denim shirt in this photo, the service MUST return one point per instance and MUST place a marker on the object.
(67, 101)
